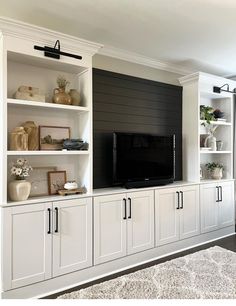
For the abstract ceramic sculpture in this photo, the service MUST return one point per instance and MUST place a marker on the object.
(18, 139)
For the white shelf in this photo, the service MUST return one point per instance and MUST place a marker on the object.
(215, 152)
(217, 122)
(46, 105)
(43, 199)
(43, 153)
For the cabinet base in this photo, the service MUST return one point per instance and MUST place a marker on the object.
(77, 278)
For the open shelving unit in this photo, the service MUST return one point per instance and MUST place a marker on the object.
(23, 65)
(198, 90)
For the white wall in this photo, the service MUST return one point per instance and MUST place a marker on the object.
(120, 66)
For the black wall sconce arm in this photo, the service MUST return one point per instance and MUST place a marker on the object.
(217, 89)
(55, 52)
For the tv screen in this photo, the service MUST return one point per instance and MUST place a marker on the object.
(143, 158)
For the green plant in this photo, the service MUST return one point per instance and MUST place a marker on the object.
(207, 113)
(212, 166)
(62, 82)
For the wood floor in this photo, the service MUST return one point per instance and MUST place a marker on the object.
(227, 243)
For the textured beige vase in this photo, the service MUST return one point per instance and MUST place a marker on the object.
(217, 174)
(18, 139)
(19, 190)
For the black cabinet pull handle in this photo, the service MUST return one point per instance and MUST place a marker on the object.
(129, 199)
(125, 217)
(221, 196)
(177, 199)
(218, 195)
(49, 221)
(56, 229)
(182, 200)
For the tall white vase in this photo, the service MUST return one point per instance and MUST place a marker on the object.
(19, 190)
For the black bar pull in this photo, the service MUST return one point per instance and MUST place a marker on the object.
(221, 196)
(218, 195)
(129, 199)
(49, 221)
(177, 199)
(56, 229)
(182, 200)
(125, 217)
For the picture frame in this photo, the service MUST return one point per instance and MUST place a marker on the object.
(39, 181)
(51, 138)
(56, 181)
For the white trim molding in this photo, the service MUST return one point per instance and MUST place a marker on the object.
(45, 36)
(137, 58)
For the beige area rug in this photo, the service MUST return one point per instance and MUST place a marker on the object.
(207, 274)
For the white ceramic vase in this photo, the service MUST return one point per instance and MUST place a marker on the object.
(19, 190)
(217, 173)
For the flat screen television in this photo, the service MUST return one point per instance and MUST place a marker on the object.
(141, 160)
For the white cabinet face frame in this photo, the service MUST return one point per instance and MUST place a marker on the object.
(166, 216)
(26, 245)
(217, 205)
(72, 235)
(226, 205)
(123, 224)
(110, 228)
(140, 218)
(177, 214)
(190, 213)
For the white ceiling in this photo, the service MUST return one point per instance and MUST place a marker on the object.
(192, 34)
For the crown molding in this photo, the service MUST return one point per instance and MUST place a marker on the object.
(206, 77)
(137, 58)
(19, 29)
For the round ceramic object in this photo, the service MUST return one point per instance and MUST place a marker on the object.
(71, 185)
(19, 190)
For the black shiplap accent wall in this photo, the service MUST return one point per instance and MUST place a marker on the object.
(124, 103)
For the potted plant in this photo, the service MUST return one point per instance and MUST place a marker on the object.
(19, 189)
(215, 169)
(206, 113)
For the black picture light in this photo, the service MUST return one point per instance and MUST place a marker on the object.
(55, 52)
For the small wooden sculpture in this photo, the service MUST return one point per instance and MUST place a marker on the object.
(33, 135)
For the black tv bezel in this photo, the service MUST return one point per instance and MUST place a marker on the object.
(147, 182)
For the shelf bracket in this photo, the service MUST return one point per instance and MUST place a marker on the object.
(56, 52)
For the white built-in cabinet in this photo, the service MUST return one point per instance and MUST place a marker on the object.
(46, 240)
(27, 246)
(123, 225)
(176, 214)
(217, 205)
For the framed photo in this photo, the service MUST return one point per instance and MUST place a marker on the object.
(52, 137)
(56, 181)
(39, 181)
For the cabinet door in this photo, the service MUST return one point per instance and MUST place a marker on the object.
(26, 245)
(226, 206)
(166, 216)
(109, 228)
(209, 207)
(189, 214)
(140, 218)
(72, 235)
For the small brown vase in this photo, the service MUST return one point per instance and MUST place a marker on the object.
(61, 97)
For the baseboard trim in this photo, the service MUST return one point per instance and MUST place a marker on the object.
(68, 281)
